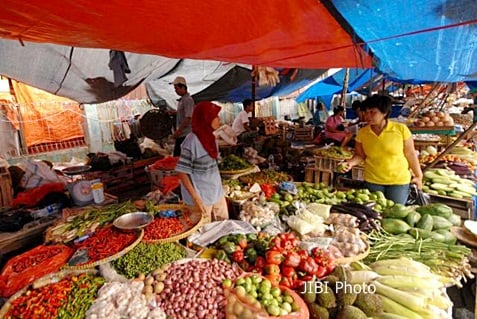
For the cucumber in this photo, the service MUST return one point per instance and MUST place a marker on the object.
(466, 189)
(430, 174)
(459, 194)
(443, 172)
(442, 187)
(442, 180)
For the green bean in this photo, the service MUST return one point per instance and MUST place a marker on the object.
(145, 258)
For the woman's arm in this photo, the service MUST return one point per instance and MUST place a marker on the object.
(413, 162)
(357, 158)
(186, 181)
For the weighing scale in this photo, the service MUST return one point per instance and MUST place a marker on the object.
(78, 187)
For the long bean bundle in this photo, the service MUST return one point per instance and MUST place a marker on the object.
(449, 260)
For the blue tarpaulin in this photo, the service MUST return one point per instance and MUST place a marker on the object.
(426, 40)
(325, 89)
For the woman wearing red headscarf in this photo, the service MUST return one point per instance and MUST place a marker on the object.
(197, 168)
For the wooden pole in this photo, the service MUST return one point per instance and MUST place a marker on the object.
(449, 148)
(345, 88)
(21, 131)
(254, 85)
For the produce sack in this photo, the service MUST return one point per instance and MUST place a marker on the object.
(245, 306)
(24, 269)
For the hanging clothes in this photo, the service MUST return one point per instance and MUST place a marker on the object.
(119, 65)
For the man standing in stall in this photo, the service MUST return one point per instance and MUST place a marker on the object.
(241, 124)
(184, 113)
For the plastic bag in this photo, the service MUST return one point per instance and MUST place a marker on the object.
(24, 269)
(417, 196)
(249, 308)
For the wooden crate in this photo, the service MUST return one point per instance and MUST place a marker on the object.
(303, 134)
(314, 175)
(115, 180)
(326, 163)
(357, 173)
(6, 189)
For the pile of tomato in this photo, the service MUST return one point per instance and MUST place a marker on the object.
(278, 258)
(287, 264)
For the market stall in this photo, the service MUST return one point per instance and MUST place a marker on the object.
(272, 260)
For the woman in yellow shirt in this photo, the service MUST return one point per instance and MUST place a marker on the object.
(387, 150)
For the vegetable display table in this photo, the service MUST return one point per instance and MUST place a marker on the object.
(28, 235)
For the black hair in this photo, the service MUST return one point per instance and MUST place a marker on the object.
(338, 109)
(381, 102)
(246, 103)
(357, 104)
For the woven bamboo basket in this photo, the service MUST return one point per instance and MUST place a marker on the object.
(196, 218)
(107, 259)
(41, 282)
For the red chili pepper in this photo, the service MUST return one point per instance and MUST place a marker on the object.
(308, 265)
(303, 253)
(273, 257)
(286, 282)
(320, 272)
(260, 262)
(161, 228)
(238, 256)
(292, 259)
(268, 190)
(287, 271)
(297, 283)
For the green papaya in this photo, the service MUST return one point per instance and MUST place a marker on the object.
(436, 209)
(396, 211)
(426, 222)
(394, 226)
(413, 218)
(440, 223)
(455, 220)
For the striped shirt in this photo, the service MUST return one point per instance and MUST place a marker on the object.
(202, 169)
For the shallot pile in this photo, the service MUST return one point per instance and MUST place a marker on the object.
(194, 289)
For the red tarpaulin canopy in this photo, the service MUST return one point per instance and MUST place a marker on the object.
(267, 32)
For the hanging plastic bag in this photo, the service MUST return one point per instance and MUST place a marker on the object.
(417, 196)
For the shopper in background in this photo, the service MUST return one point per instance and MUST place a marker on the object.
(183, 114)
(241, 124)
(387, 150)
(201, 184)
(335, 128)
(320, 117)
